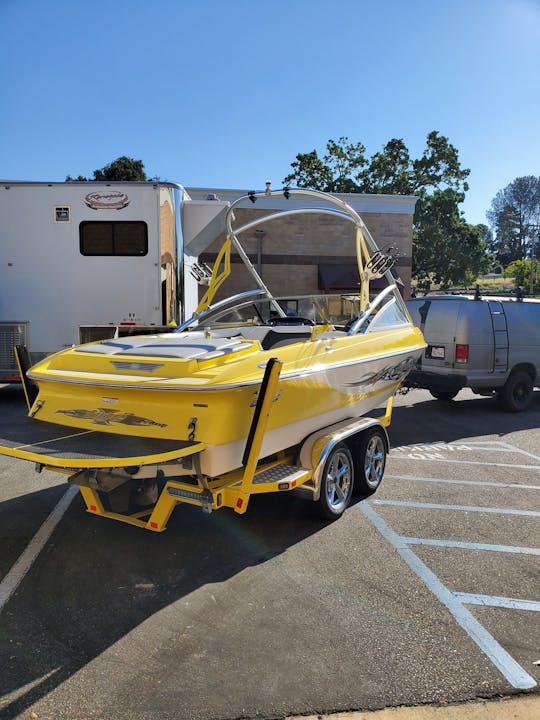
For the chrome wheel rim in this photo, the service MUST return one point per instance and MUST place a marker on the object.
(374, 461)
(338, 482)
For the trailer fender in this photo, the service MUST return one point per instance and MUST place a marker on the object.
(316, 447)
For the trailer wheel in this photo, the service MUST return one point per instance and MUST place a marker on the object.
(337, 481)
(445, 395)
(517, 392)
(371, 461)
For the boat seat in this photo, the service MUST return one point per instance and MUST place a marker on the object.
(276, 336)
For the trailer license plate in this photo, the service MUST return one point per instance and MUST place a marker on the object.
(437, 351)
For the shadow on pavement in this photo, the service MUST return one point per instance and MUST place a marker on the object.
(97, 580)
(418, 420)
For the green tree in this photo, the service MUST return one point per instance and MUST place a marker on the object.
(515, 216)
(334, 172)
(446, 249)
(520, 270)
(123, 168)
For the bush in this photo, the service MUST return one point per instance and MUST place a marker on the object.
(520, 270)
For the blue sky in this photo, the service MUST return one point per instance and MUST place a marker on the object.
(225, 94)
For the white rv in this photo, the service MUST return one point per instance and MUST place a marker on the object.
(81, 261)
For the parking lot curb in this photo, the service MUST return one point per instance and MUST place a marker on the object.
(523, 707)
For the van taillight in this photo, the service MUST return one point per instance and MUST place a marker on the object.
(462, 353)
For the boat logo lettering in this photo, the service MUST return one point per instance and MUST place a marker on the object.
(107, 416)
(112, 200)
(109, 400)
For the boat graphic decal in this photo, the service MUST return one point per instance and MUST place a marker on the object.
(108, 416)
(392, 372)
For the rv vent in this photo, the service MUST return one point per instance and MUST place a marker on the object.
(93, 333)
(11, 334)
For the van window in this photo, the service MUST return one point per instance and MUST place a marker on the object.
(113, 238)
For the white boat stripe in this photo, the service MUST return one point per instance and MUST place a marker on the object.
(462, 508)
(506, 664)
(153, 383)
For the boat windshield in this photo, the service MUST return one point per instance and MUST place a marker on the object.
(337, 311)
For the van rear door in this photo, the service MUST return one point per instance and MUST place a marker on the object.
(438, 321)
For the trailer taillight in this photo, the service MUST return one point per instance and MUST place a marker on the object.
(462, 353)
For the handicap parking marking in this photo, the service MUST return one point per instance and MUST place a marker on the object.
(454, 602)
(447, 452)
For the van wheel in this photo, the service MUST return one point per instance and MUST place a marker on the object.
(445, 395)
(371, 461)
(517, 392)
(337, 482)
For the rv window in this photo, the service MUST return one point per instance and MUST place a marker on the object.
(113, 238)
(62, 214)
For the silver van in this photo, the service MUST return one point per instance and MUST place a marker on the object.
(489, 345)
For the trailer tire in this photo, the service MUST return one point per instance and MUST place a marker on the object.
(372, 450)
(445, 395)
(337, 482)
(517, 392)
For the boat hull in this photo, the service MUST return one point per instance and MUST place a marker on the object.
(321, 383)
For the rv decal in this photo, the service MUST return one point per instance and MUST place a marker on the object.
(112, 200)
(106, 416)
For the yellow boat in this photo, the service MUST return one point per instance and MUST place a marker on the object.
(339, 357)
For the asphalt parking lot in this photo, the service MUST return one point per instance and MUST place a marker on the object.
(429, 592)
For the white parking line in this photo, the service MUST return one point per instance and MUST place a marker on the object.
(462, 482)
(14, 577)
(463, 508)
(495, 601)
(506, 664)
(513, 448)
(426, 458)
(430, 542)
